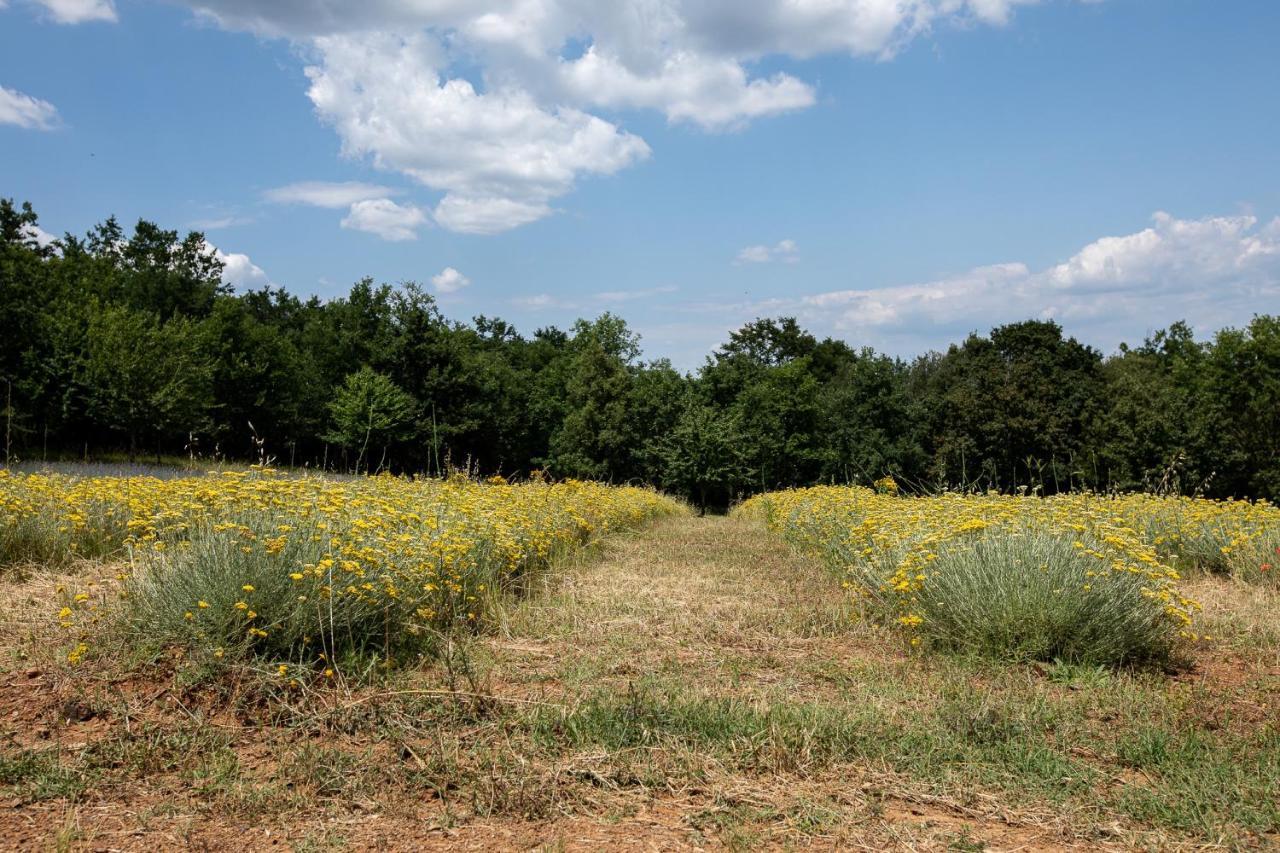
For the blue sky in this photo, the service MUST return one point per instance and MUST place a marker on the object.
(896, 173)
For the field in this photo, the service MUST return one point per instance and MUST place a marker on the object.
(249, 660)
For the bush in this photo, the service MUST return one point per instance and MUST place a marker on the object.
(225, 590)
(1066, 578)
(313, 571)
(1031, 594)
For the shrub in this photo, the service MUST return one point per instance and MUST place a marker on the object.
(312, 570)
(1028, 593)
(1067, 578)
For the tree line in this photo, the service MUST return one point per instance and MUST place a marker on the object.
(132, 342)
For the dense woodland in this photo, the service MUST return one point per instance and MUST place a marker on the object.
(131, 343)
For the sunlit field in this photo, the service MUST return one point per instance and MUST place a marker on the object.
(363, 662)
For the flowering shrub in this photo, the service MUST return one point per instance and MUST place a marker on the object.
(1073, 577)
(1239, 538)
(309, 568)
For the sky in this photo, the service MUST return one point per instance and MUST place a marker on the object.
(894, 173)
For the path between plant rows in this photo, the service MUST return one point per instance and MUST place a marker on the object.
(713, 607)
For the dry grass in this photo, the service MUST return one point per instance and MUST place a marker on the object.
(709, 598)
(693, 685)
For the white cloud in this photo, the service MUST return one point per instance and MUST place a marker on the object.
(301, 18)
(328, 194)
(26, 111)
(79, 11)
(634, 30)
(240, 272)
(1215, 248)
(449, 280)
(784, 250)
(501, 144)
(42, 237)
(714, 93)
(487, 214)
(384, 217)
(498, 156)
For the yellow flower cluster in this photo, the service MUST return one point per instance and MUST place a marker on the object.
(1241, 538)
(886, 546)
(279, 555)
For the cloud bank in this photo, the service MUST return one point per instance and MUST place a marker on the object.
(1213, 272)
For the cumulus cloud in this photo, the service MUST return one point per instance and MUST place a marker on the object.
(26, 111)
(79, 11)
(502, 142)
(1214, 271)
(634, 30)
(498, 156)
(714, 93)
(449, 280)
(240, 272)
(382, 216)
(784, 250)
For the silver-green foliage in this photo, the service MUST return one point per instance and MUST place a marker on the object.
(1028, 594)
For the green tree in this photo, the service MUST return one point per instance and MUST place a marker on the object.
(1146, 435)
(780, 417)
(1239, 426)
(144, 379)
(1012, 409)
(868, 424)
(595, 439)
(702, 456)
(659, 396)
(368, 408)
